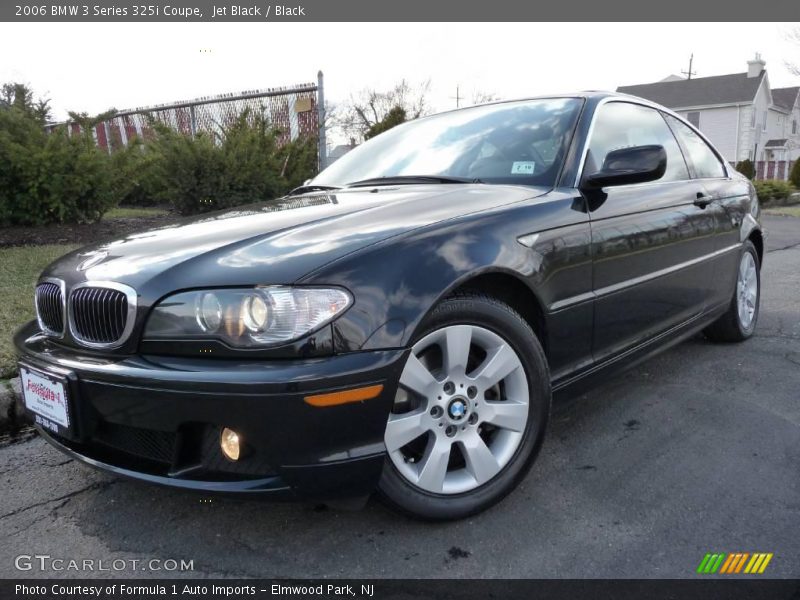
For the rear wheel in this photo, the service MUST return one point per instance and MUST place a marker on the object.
(739, 321)
(470, 412)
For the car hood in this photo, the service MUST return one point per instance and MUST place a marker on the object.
(275, 242)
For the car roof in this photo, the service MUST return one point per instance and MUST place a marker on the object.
(591, 95)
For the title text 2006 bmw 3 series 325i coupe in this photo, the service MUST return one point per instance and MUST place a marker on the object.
(400, 322)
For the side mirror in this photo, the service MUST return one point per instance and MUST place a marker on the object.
(637, 164)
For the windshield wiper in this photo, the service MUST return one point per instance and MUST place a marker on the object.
(411, 179)
(312, 188)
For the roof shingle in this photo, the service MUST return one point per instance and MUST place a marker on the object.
(785, 97)
(702, 91)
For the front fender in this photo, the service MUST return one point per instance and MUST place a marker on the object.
(397, 282)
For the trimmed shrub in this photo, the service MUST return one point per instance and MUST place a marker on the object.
(132, 175)
(250, 164)
(49, 178)
(773, 191)
(746, 168)
(298, 161)
(186, 172)
(393, 118)
(241, 165)
(794, 175)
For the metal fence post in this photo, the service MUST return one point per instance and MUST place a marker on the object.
(193, 120)
(322, 147)
(106, 130)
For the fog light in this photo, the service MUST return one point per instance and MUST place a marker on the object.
(230, 444)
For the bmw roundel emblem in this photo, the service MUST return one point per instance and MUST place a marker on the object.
(457, 409)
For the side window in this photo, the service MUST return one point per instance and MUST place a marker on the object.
(706, 164)
(622, 125)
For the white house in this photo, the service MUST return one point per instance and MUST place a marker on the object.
(741, 114)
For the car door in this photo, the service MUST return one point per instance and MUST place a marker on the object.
(730, 204)
(648, 239)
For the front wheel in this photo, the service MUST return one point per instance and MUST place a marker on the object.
(739, 321)
(470, 413)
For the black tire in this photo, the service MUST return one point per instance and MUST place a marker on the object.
(728, 328)
(487, 312)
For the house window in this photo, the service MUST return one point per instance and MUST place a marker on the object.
(794, 127)
(704, 160)
(764, 123)
(753, 118)
(694, 118)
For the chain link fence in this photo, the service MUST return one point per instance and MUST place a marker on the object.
(295, 111)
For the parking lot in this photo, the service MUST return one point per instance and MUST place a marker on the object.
(695, 451)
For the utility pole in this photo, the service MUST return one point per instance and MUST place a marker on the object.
(458, 97)
(689, 73)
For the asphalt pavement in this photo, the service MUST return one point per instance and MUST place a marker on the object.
(694, 451)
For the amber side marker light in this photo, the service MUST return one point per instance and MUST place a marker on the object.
(345, 396)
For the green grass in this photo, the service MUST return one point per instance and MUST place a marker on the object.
(122, 212)
(787, 211)
(19, 269)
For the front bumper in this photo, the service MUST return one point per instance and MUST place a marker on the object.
(158, 419)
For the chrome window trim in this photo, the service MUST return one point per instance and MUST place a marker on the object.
(647, 104)
(46, 330)
(130, 318)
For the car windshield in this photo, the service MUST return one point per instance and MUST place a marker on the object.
(516, 142)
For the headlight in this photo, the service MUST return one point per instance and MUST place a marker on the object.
(208, 312)
(246, 318)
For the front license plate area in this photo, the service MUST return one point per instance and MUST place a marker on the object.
(46, 399)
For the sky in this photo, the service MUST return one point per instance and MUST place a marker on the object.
(92, 66)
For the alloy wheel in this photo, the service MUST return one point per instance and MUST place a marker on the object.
(747, 290)
(460, 412)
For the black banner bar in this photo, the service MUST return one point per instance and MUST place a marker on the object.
(408, 10)
(543, 589)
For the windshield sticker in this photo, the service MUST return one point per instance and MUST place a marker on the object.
(524, 167)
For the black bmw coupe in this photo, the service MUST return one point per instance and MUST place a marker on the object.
(401, 322)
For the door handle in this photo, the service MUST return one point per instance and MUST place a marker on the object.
(702, 200)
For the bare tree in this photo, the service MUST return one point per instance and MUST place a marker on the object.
(332, 112)
(369, 107)
(794, 36)
(481, 97)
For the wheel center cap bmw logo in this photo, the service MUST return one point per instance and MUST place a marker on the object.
(457, 409)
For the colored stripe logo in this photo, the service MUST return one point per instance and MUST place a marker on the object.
(734, 562)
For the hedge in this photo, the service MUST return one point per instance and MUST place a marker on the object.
(746, 168)
(794, 174)
(56, 178)
(50, 178)
(773, 191)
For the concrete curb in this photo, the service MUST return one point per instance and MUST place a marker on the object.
(12, 414)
